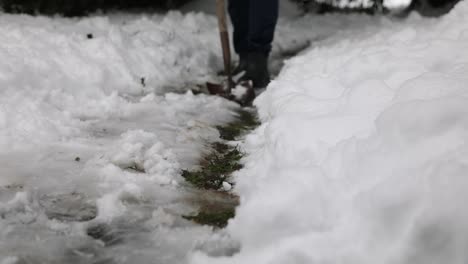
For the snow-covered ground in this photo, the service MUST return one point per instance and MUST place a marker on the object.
(360, 159)
(83, 103)
(362, 156)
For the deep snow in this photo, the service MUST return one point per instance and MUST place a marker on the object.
(360, 158)
(362, 152)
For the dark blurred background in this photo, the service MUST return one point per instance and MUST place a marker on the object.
(83, 7)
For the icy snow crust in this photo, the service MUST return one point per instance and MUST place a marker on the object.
(80, 131)
(362, 156)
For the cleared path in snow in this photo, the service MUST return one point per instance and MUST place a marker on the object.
(86, 119)
(93, 137)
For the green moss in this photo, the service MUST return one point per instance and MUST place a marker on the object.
(224, 159)
(220, 148)
(246, 121)
(249, 119)
(215, 168)
(218, 207)
(217, 219)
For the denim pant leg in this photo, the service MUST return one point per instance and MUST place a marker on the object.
(239, 12)
(262, 23)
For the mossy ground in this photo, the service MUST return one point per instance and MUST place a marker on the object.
(224, 159)
(217, 219)
(246, 121)
(216, 168)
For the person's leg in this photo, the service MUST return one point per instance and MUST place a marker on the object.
(239, 13)
(263, 16)
(254, 27)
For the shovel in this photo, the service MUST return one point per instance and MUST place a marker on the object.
(224, 90)
(224, 35)
(221, 89)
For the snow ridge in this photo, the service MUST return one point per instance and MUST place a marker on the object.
(361, 157)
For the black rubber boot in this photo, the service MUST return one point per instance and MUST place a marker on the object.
(242, 66)
(256, 70)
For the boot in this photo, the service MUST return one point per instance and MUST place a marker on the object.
(242, 66)
(256, 70)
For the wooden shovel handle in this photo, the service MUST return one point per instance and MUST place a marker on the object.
(224, 34)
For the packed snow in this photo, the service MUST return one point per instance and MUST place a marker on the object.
(96, 116)
(360, 157)
(362, 154)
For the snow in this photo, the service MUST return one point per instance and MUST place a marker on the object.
(227, 186)
(389, 4)
(396, 4)
(103, 124)
(362, 152)
(360, 157)
(239, 91)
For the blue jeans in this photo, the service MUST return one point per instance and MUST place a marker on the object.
(254, 24)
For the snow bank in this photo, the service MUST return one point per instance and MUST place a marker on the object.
(362, 155)
(56, 72)
(95, 118)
